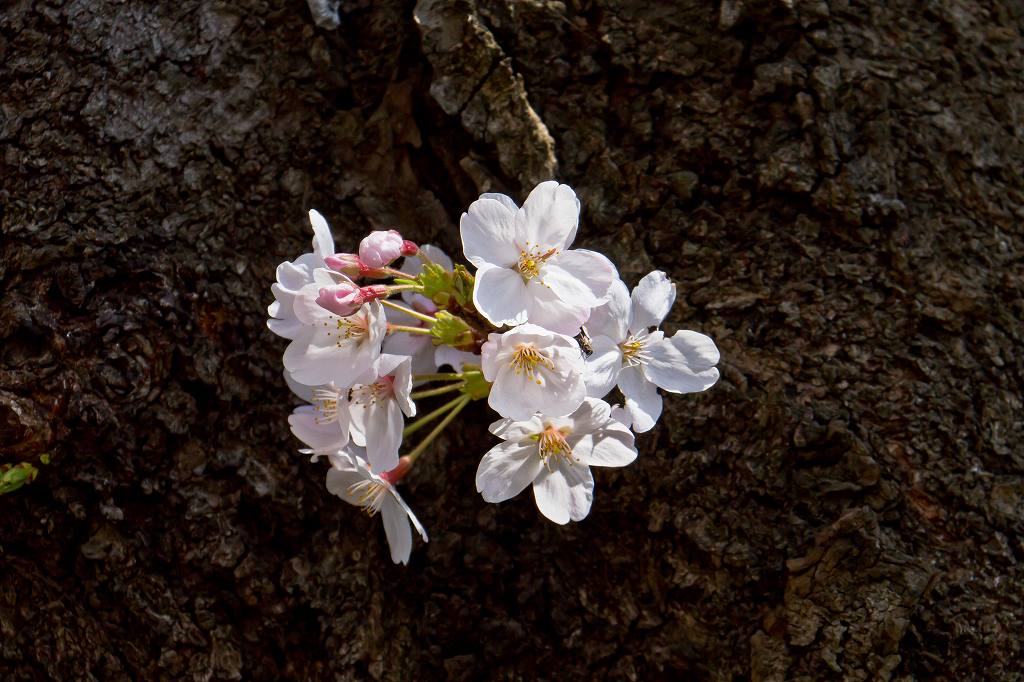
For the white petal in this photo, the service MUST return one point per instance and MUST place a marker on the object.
(502, 199)
(320, 364)
(590, 268)
(510, 429)
(506, 470)
(303, 391)
(514, 395)
(593, 414)
(652, 300)
(610, 446)
(487, 234)
(289, 328)
(408, 512)
(323, 243)
(489, 352)
(603, 366)
(307, 310)
(396, 528)
(292, 276)
(643, 402)
(340, 482)
(620, 415)
(306, 425)
(567, 286)
(683, 363)
(612, 318)
(402, 382)
(548, 217)
(402, 343)
(383, 433)
(549, 311)
(500, 295)
(565, 493)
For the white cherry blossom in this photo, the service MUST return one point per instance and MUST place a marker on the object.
(532, 370)
(377, 408)
(329, 348)
(628, 354)
(292, 276)
(525, 269)
(351, 479)
(555, 455)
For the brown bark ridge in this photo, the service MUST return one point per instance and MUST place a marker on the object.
(836, 185)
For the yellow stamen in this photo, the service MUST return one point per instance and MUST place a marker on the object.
(531, 260)
(325, 401)
(551, 445)
(349, 329)
(370, 495)
(633, 350)
(525, 360)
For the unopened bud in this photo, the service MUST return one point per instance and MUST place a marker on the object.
(409, 248)
(341, 299)
(396, 474)
(345, 263)
(379, 249)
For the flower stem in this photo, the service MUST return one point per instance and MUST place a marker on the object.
(443, 376)
(394, 272)
(426, 419)
(410, 330)
(459, 404)
(437, 391)
(395, 288)
(408, 311)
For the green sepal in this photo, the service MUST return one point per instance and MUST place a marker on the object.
(476, 387)
(450, 330)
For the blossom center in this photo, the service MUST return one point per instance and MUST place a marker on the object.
(551, 445)
(526, 359)
(531, 259)
(377, 392)
(633, 349)
(352, 329)
(325, 400)
(369, 495)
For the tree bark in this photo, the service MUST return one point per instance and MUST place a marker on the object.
(836, 187)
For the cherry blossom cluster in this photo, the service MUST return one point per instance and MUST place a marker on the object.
(541, 331)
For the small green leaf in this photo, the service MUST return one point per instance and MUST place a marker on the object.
(13, 477)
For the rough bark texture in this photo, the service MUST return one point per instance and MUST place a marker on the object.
(835, 185)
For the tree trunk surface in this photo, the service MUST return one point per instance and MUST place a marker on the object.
(835, 185)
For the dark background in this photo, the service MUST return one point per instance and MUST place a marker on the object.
(836, 186)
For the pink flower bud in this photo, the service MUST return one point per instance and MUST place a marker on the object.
(345, 263)
(380, 248)
(341, 299)
(409, 248)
